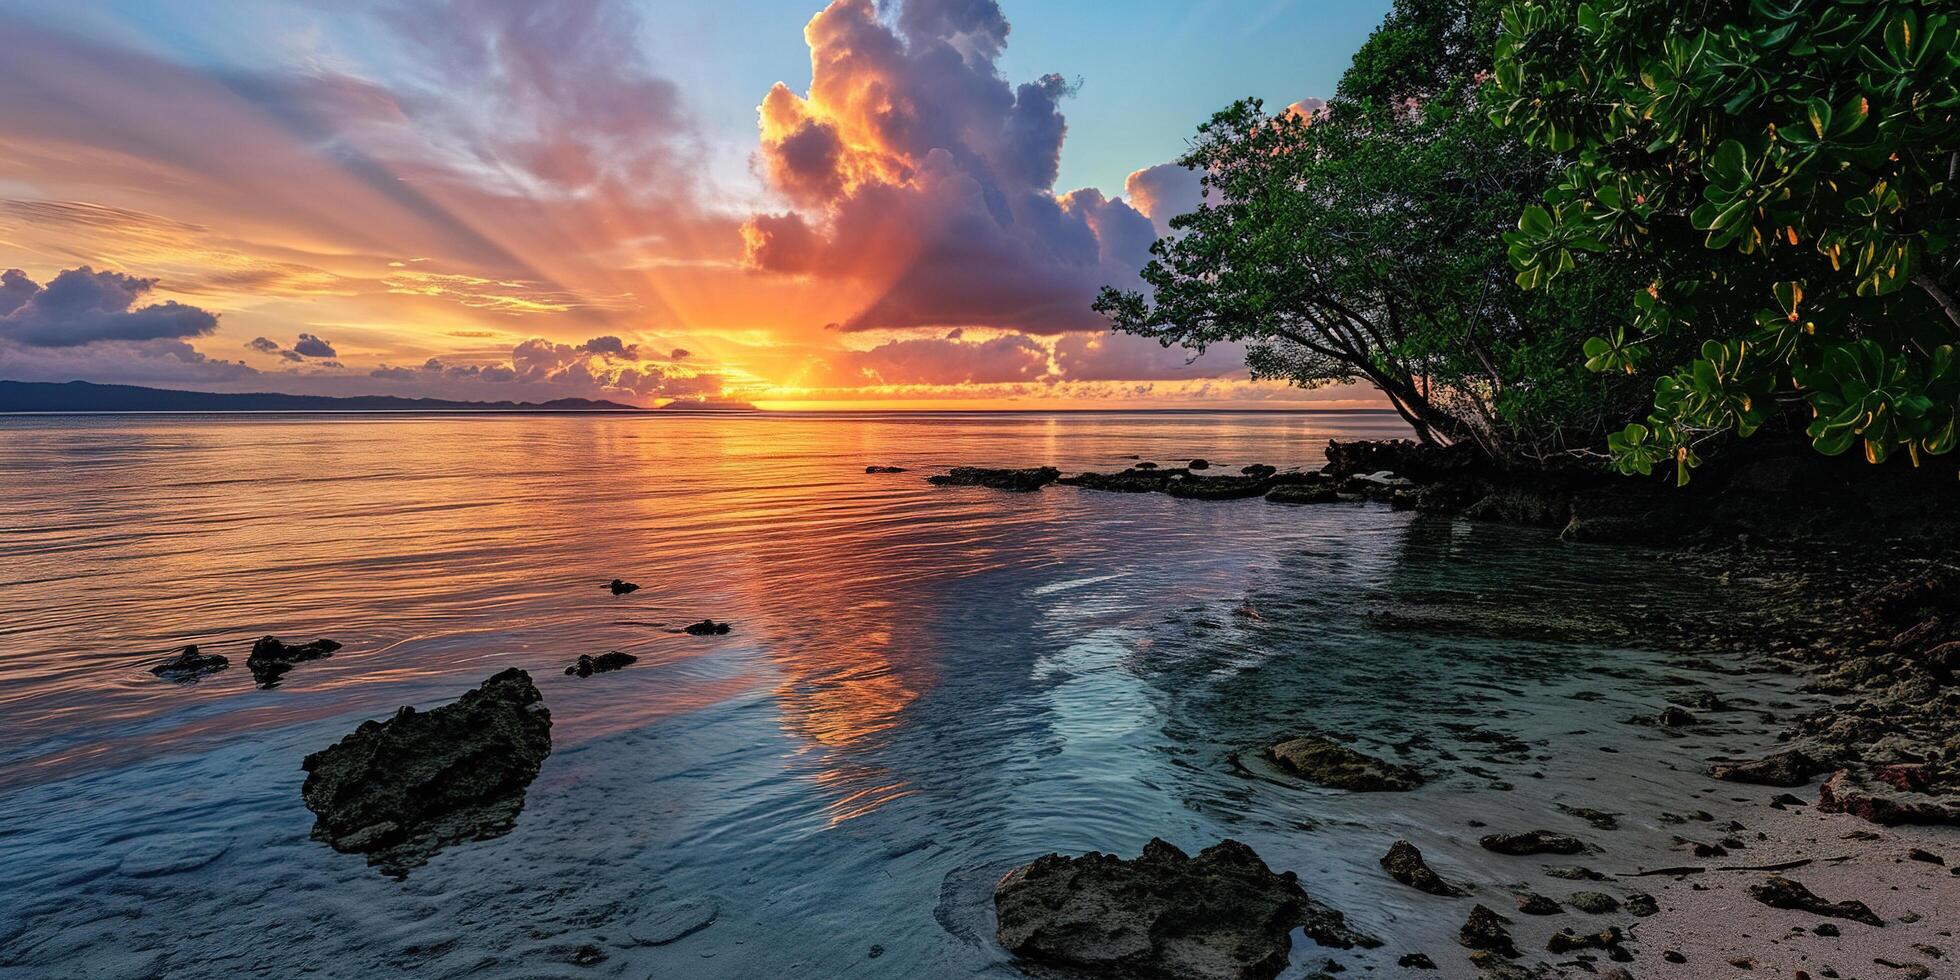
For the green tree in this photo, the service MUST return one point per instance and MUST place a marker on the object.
(1364, 243)
(1786, 169)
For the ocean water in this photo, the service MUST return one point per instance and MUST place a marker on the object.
(924, 687)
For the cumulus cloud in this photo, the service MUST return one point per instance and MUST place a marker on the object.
(82, 306)
(935, 361)
(264, 345)
(1163, 192)
(914, 168)
(310, 346)
(544, 369)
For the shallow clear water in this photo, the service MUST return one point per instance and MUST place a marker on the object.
(924, 687)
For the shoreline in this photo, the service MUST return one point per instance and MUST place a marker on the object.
(1874, 635)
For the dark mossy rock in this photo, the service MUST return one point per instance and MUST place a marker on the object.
(622, 588)
(189, 665)
(1404, 863)
(1198, 464)
(1217, 487)
(1222, 914)
(1642, 905)
(1791, 767)
(884, 469)
(1567, 941)
(1416, 961)
(1325, 762)
(400, 790)
(707, 627)
(588, 665)
(1532, 903)
(1302, 494)
(271, 659)
(1127, 481)
(1779, 892)
(1533, 842)
(1484, 931)
(1259, 470)
(1593, 903)
(1024, 480)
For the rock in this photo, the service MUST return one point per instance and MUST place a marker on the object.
(400, 790)
(189, 665)
(1198, 464)
(621, 588)
(1675, 717)
(1573, 872)
(1325, 762)
(1593, 903)
(1302, 494)
(1533, 842)
(1567, 941)
(1411, 459)
(1921, 854)
(1484, 931)
(1416, 961)
(1598, 818)
(1404, 500)
(1127, 481)
(1404, 863)
(588, 955)
(588, 665)
(1217, 487)
(1779, 892)
(1222, 914)
(1787, 768)
(1025, 480)
(1259, 470)
(884, 469)
(271, 659)
(1144, 466)
(1642, 905)
(1532, 903)
(1852, 792)
(707, 627)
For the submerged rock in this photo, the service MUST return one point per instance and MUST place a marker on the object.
(1127, 481)
(1779, 892)
(884, 469)
(621, 588)
(1222, 914)
(707, 627)
(1533, 842)
(1787, 768)
(189, 665)
(400, 790)
(1018, 481)
(1303, 494)
(1325, 762)
(1217, 487)
(271, 659)
(588, 665)
(1404, 863)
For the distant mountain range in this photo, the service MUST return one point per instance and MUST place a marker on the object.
(84, 396)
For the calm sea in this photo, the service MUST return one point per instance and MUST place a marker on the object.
(923, 688)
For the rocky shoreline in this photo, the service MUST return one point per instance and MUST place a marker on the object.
(1876, 631)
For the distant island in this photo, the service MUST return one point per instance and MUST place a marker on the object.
(84, 396)
(708, 405)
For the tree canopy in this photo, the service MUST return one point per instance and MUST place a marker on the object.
(1785, 171)
(1363, 242)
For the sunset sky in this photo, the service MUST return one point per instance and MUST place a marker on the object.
(858, 205)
